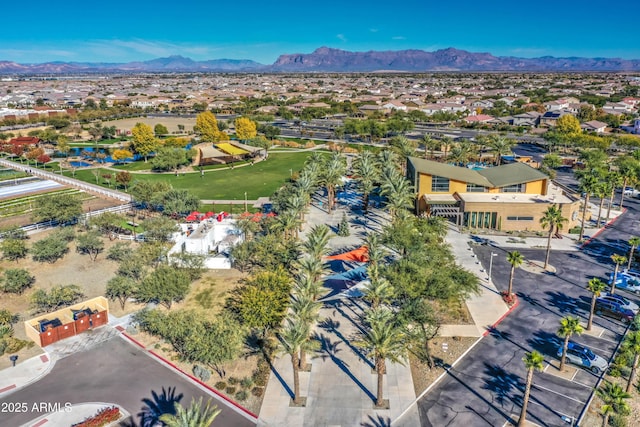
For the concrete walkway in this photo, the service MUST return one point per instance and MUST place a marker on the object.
(24, 373)
(341, 386)
(72, 414)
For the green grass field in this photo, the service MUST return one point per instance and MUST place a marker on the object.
(259, 180)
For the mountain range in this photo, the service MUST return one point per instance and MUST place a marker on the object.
(326, 59)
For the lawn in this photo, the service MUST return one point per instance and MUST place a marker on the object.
(134, 166)
(259, 180)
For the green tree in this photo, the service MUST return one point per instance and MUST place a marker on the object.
(533, 361)
(554, 220)
(634, 242)
(58, 296)
(431, 145)
(50, 249)
(631, 345)
(367, 171)
(334, 170)
(618, 261)
(16, 280)
(165, 285)
(588, 185)
(595, 286)
(207, 127)
(501, 146)
(382, 340)
(143, 140)
(568, 125)
(61, 208)
(343, 226)
(159, 229)
(176, 201)
(13, 249)
(90, 244)
(144, 191)
(629, 169)
(379, 290)
(160, 129)
(516, 259)
(293, 337)
(568, 326)
(316, 242)
(170, 159)
(614, 400)
(123, 178)
(552, 161)
(398, 192)
(121, 288)
(193, 416)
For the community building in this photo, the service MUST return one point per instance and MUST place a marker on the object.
(511, 197)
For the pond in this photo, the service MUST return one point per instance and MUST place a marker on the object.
(77, 164)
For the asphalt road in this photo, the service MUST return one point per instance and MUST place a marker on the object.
(486, 387)
(114, 372)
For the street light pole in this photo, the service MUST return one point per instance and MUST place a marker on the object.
(245, 201)
(493, 254)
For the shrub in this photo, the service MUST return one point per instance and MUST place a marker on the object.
(246, 382)
(3, 347)
(257, 391)
(58, 296)
(220, 385)
(242, 395)
(233, 380)
(617, 420)
(230, 390)
(343, 226)
(120, 251)
(16, 280)
(102, 418)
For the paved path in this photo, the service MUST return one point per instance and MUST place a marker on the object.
(341, 386)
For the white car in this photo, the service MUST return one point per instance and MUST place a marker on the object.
(624, 302)
(625, 282)
(630, 191)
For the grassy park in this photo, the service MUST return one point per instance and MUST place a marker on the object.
(259, 180)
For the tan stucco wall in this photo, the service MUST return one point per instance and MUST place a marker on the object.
(536, 210)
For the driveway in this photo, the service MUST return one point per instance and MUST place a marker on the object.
(486, 387)
(114, 371)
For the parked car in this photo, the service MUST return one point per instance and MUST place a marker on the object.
(583, 356)
(630, 191)
(626, 282)
(631, 273)
(624, 303)
(614, 310)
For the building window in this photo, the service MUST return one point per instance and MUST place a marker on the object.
(517, 188)
(439, 184)
(519, 218)
(473, 188)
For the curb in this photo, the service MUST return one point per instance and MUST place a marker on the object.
(253, 416)
(44, 419)
(497, 322)
(44, 358)
(607, 225)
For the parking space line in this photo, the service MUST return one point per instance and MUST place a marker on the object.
(583, 385)
(559, 394)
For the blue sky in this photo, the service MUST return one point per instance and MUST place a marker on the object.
(122, 31)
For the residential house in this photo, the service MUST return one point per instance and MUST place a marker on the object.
(478, 118)
(593, 126)
(394, 105)
(511, 197)
(551, 117)
(530, 118)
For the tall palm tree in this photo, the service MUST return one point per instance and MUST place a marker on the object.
(516, 259)
(601, 191)
(634, 242)
(618, 260)
(317, 240)
(628, 168)
(631, 345)
(568, 326)
(293, 337)
(305, 310)
(297, 202)
(431, 145)
(588, 184)
(405, 147)
(382, 340)
(446, 142)
(389, 159)
(375, 251)
(398, 191)
(289, 222)
(193, 416)
(500, 145)
(306, 287)
(533, 361)
(595, 286)
(614, 400)
(462, 152)
(553, 219)
(367, 172)
(311, 267)
(379, 290)
(614, 180)
(334, 170)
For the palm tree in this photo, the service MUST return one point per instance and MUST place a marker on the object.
(634, 242)
(553, 219)
(631, 345)
(405, 147)
(193, 416)
(568, 327)
(595, 286)
(305, 310)
(306, 287)
(297, 203)
(446, 142)
(613, 400)
(332, 175)
(614, 179)
(382, 340)
(375, 251)
(588, 184)
(367, 172)
(533, 361)
(389, 159)
(501, 146)
(628, 168)
(293, 338)
(601, 191)
(288, 222)
(431, 145)
(379, 290)
(311, 267)
(461, 153)
(516, 259)
(398, 191)
(317, 240)
(618, 260)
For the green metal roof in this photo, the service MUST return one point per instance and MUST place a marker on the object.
(499, 176)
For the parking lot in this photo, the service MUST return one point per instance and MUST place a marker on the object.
(486, 387)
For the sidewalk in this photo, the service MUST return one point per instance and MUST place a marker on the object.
(72, 414)
(24, 373)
